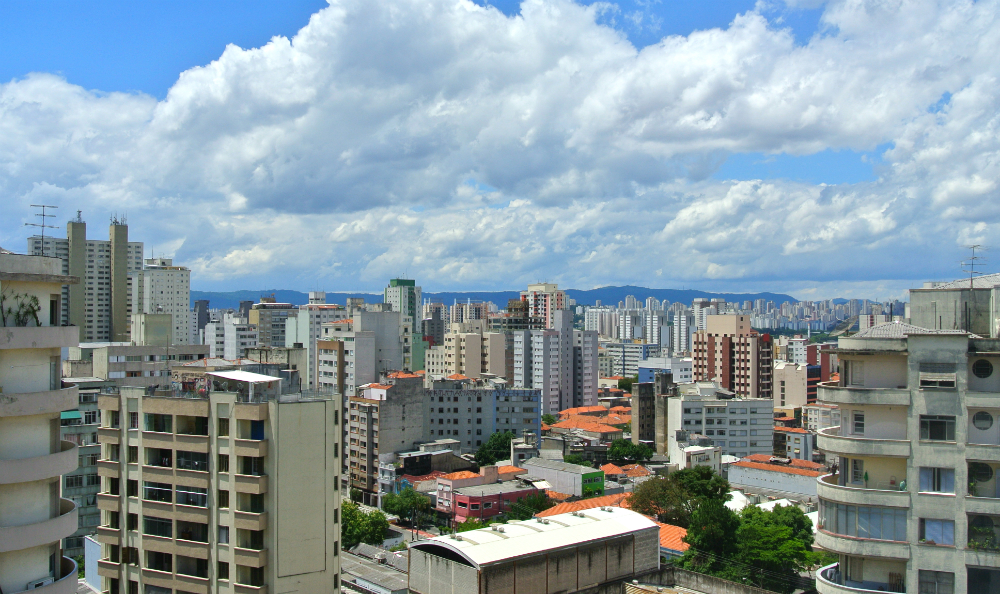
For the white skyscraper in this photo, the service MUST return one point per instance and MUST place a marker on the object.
(166, 289)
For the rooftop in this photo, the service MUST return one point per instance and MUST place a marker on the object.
(461, 474)
(790, 429)
(777, 468)
(986, 281)
(672, 537)
(768, 459)
(616, 500)
(561, 466)
(902, 330)
(519, 539)
(494, 489)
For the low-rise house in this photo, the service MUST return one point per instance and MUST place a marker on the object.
(487, 501)
(793, 442)
(581, 481)
(776, 474)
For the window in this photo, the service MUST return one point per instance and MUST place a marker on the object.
(162, 492)
(937, 375)
(937, 480)
(74, 481)
(223, 499)
(223, 462)
(937, 531)
(224, 429)
(133, 420)
(157, 527)
(132, 488)
(877, 523)
(159, 423)
(937, 428)
(159, 561)
(133, 522)
(855, 373)
(223, 572)
(462, 505)
(982, 420)
(91, 417)
(133, 454)
(192, 461)
(936, 582)
(195, 496)
(859, 423)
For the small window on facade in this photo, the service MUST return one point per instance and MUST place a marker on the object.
(982, 368)
(982, 420)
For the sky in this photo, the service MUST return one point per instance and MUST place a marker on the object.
(846, 148)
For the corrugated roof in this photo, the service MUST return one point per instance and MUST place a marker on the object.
(902, 330)
(986, 281)
(776, 468)
(521, 539)
(616, 500)
(557, 465)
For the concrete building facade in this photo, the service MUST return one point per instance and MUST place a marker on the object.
(166, 289)
(735, 355)
(35, 517)
(544, 300)
(470, 410)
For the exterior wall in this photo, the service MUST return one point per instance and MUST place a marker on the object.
(478, 413)
(143, 365)
(790, 385)
(773, 480)
(694, 414)
(167, 289)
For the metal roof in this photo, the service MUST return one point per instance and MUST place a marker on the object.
(986, 281)
(525, 538)
(902, 330)
(557, 465)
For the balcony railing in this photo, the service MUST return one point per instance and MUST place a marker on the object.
(831, 580)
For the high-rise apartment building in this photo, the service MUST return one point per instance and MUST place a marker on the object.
(206, 490)
(230, 337)
(110, 274)
(561, 362)
(468, 350)
(914, 504)
(307, 327)
(271, 319)
(404, 296)
(166, 289)
(470, 410)
(544, 299)
(34, 516)
(740, 426)
(738, 357)
(683, 330)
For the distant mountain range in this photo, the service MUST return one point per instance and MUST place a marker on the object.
(606, 295)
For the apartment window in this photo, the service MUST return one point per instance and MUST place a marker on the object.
(133, 454)
(192, 461)
(223, 462)
(937, 428)
(224, 430)
(91, 417)
(859, 423)
(937, 480)
(250, 465)
(877, 523)
(936, 582)
(157, 527)
(194, 496)
(940, 532)
(855, 373)
(161, 492)
(223, 499)
(159, 561)
(223, 567)
(133, 420)
(937, 375)
(857, 471)
(74, 481)
(132, 488)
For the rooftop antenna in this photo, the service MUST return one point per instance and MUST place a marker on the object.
(969, 265)
(42, 225)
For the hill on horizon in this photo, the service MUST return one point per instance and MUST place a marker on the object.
(607, 296)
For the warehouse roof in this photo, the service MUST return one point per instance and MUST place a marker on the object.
(556, 465)
(488, 546)
(901, 330)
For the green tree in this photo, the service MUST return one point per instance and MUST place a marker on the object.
(663, 498)
(712, 538)
(576, 459)
(529, 506)
(497, 447)
(701, 482)
(769, 553)
(358, 526)
(549, 419)
(408, 504)
(625, 383)
(471, 524)
(623, 450)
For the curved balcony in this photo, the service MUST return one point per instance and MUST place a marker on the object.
(39, 337)
(40, 468)
(21, 404)
(15, 538)
(830, 440)
(827, 488)
(67, 584)
(862, 547)
(830, 581)
(833, 393)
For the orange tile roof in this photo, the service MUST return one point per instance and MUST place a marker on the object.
(420, 372)
(557, 496)
(614, 377)
(612, 469)
(616, 500)
(461, 474)
(784, 419)
(458, 376)
(545, 427)
(401, 374)
(592, 427)
(777, 468)
(615, 390)
(635, 470)
(672, 537)
(379, 386)
(423, 477)
(791, 429)
(506, 469)
(621, 409)
(766, 458)
(347, 321)
(579, 410)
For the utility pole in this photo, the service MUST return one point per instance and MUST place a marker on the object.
(42, 225)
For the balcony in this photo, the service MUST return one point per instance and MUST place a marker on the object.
(158, 439)
(15, 538)
(250, 521)
(108, 535)
(108, 468)
(984, 452)
(39, 468)
(830, 440)
(193, 443)
(192, 583)
(246, 483)
(108, 502)
(37, 403)
(248, 589)
(832, 393)
(250, 412)
(255, 448)
(108, 435)
(861, 547)
(108, 568)
(251, 557)
(829, 580)
(883, 494)
(39, 337)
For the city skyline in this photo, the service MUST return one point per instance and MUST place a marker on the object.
(804, 148)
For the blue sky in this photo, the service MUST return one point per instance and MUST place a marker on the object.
(847, 149)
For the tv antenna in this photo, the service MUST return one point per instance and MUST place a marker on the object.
(42, 225)
(969, 265)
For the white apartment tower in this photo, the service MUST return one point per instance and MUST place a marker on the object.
(544, 299)
(166, 289)
(915, 503)
(561, 362)
(34, 517)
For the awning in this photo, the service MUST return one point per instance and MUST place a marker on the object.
(70, 414)
(244, 376)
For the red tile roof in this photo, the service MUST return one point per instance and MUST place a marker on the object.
(401, 374)
(458, 376)
(545, 427)
(508, 469)
(379, 386)
(423, 477)
(621, 409)
(557, 496)
(616, 500)
(777, 468)
(592, 427)
(614, 377)
(461, 474)
(612, 469)
(347, 321)
(635, 470)
(785, 419)
(672, 537)
(791, 429)
(579, 410)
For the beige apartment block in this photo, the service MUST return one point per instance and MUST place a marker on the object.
(914, 504)
(230, 488)
(34, 517)
(729, 351)
(468, 350)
